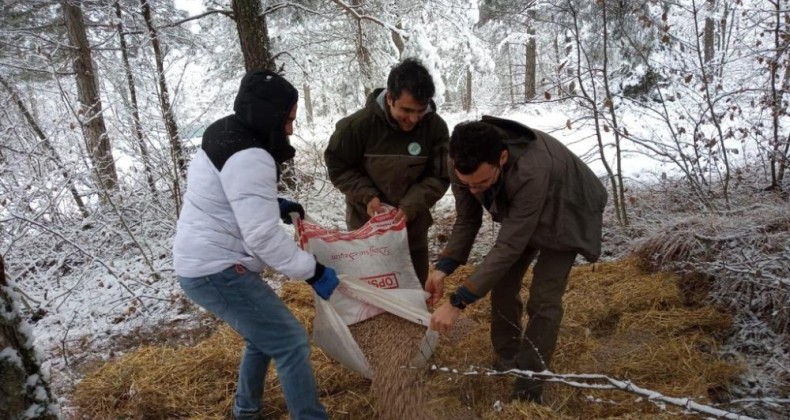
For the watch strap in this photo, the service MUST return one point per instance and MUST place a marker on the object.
(457, 301)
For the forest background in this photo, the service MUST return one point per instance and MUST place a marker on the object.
(679, 106)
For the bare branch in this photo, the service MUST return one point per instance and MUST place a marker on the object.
(601, 382)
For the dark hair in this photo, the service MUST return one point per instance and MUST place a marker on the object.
(410, 75)
(474, 143)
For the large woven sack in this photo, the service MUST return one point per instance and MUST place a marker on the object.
(377, 275)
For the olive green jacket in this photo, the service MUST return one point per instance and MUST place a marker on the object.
(369, 155)
(545, 198)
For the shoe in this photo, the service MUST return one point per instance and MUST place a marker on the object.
(504, 365)
(248, 416)
(527, 396)
(529, 390)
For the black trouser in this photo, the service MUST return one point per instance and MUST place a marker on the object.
(419, 259)
(544, 308)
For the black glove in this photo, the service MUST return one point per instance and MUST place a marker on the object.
(288, 206)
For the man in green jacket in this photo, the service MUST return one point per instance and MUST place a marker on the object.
(549, 204)
(394, 151)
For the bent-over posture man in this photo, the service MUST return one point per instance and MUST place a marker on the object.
(550, 206)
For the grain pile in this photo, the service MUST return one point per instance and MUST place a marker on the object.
(390, 343)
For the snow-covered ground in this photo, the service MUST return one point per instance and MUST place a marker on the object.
(94, 306)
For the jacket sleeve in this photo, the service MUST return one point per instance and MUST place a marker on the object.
(468, 219)
(249, 179)
(343, 156)
(515, 232)
(435, 181)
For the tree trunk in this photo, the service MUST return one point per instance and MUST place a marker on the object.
(709, 34)
(308, 102)
(530, 72)
(448, 97)
(20, 365)
(510, 77)
(723, 28)
(91, 118)
(773, 66)
(254, 41)
(176, 150)
(468, 94)
(398, 40)
(138, 128)
(591, 98)
(618, 188)
(780, 142)
(46, 143)
(253, 34)
(363, 53)
(715, 117)
(363, 56)
(785, 87)
(365, 63)
(785, 154)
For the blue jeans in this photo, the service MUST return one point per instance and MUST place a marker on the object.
(270, 331)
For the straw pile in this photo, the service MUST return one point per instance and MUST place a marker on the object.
(619, 321)
(157, 382)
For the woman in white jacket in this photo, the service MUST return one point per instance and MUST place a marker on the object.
(228, 232)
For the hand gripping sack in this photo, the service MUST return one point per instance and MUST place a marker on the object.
(377, 276)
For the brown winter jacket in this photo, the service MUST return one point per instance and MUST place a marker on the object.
(369, 156)
(546, 198)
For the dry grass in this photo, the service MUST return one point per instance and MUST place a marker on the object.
(619, 321)
(165, 382)
(675, 244)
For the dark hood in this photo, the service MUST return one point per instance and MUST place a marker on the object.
(512, 132)
(263, 104)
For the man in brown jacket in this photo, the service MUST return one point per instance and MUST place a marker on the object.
(549, 204)
(394, 151)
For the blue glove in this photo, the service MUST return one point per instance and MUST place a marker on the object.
(324, 281)
(288, 206)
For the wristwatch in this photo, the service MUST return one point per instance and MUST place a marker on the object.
(455, 300)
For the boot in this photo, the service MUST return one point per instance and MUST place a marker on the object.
(504, 365)
(529, 390)
(252, 416)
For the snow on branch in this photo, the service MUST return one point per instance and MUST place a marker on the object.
(86, 253)
(600, 382)
(350, 10)
(515, 37)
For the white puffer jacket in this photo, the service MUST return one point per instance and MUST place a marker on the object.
(232, 217)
